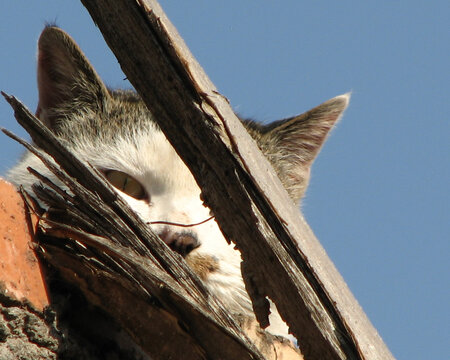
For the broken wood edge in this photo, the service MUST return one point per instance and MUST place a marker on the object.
(26, 118)
(140, 33)
(31, 325)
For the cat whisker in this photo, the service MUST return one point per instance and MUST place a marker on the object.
(178, 224)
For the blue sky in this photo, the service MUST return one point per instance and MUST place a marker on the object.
(379, 195)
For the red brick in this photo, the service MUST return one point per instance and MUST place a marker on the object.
(21, 275)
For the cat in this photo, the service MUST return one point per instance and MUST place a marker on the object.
(115, 132)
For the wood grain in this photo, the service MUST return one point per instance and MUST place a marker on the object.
(282, 258)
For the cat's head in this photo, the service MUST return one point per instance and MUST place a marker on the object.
(114, 131)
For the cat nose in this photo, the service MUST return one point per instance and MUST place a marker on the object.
(181, 242)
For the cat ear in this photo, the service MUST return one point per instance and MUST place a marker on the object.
(67, 82)
(291, 145)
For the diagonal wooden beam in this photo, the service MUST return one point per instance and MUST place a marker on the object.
(282, 258)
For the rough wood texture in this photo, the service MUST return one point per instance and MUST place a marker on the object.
(125, 253)
(29, 328)
(99, 245)
(282, 258)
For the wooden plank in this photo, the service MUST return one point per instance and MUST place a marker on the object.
(236, 179)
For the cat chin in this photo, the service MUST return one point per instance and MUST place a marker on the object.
(228, 286)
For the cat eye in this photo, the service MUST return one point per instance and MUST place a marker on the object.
(126, 183)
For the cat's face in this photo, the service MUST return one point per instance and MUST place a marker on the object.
(114, 131)
(183, 222)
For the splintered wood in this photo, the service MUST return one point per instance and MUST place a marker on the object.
(107, 252)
